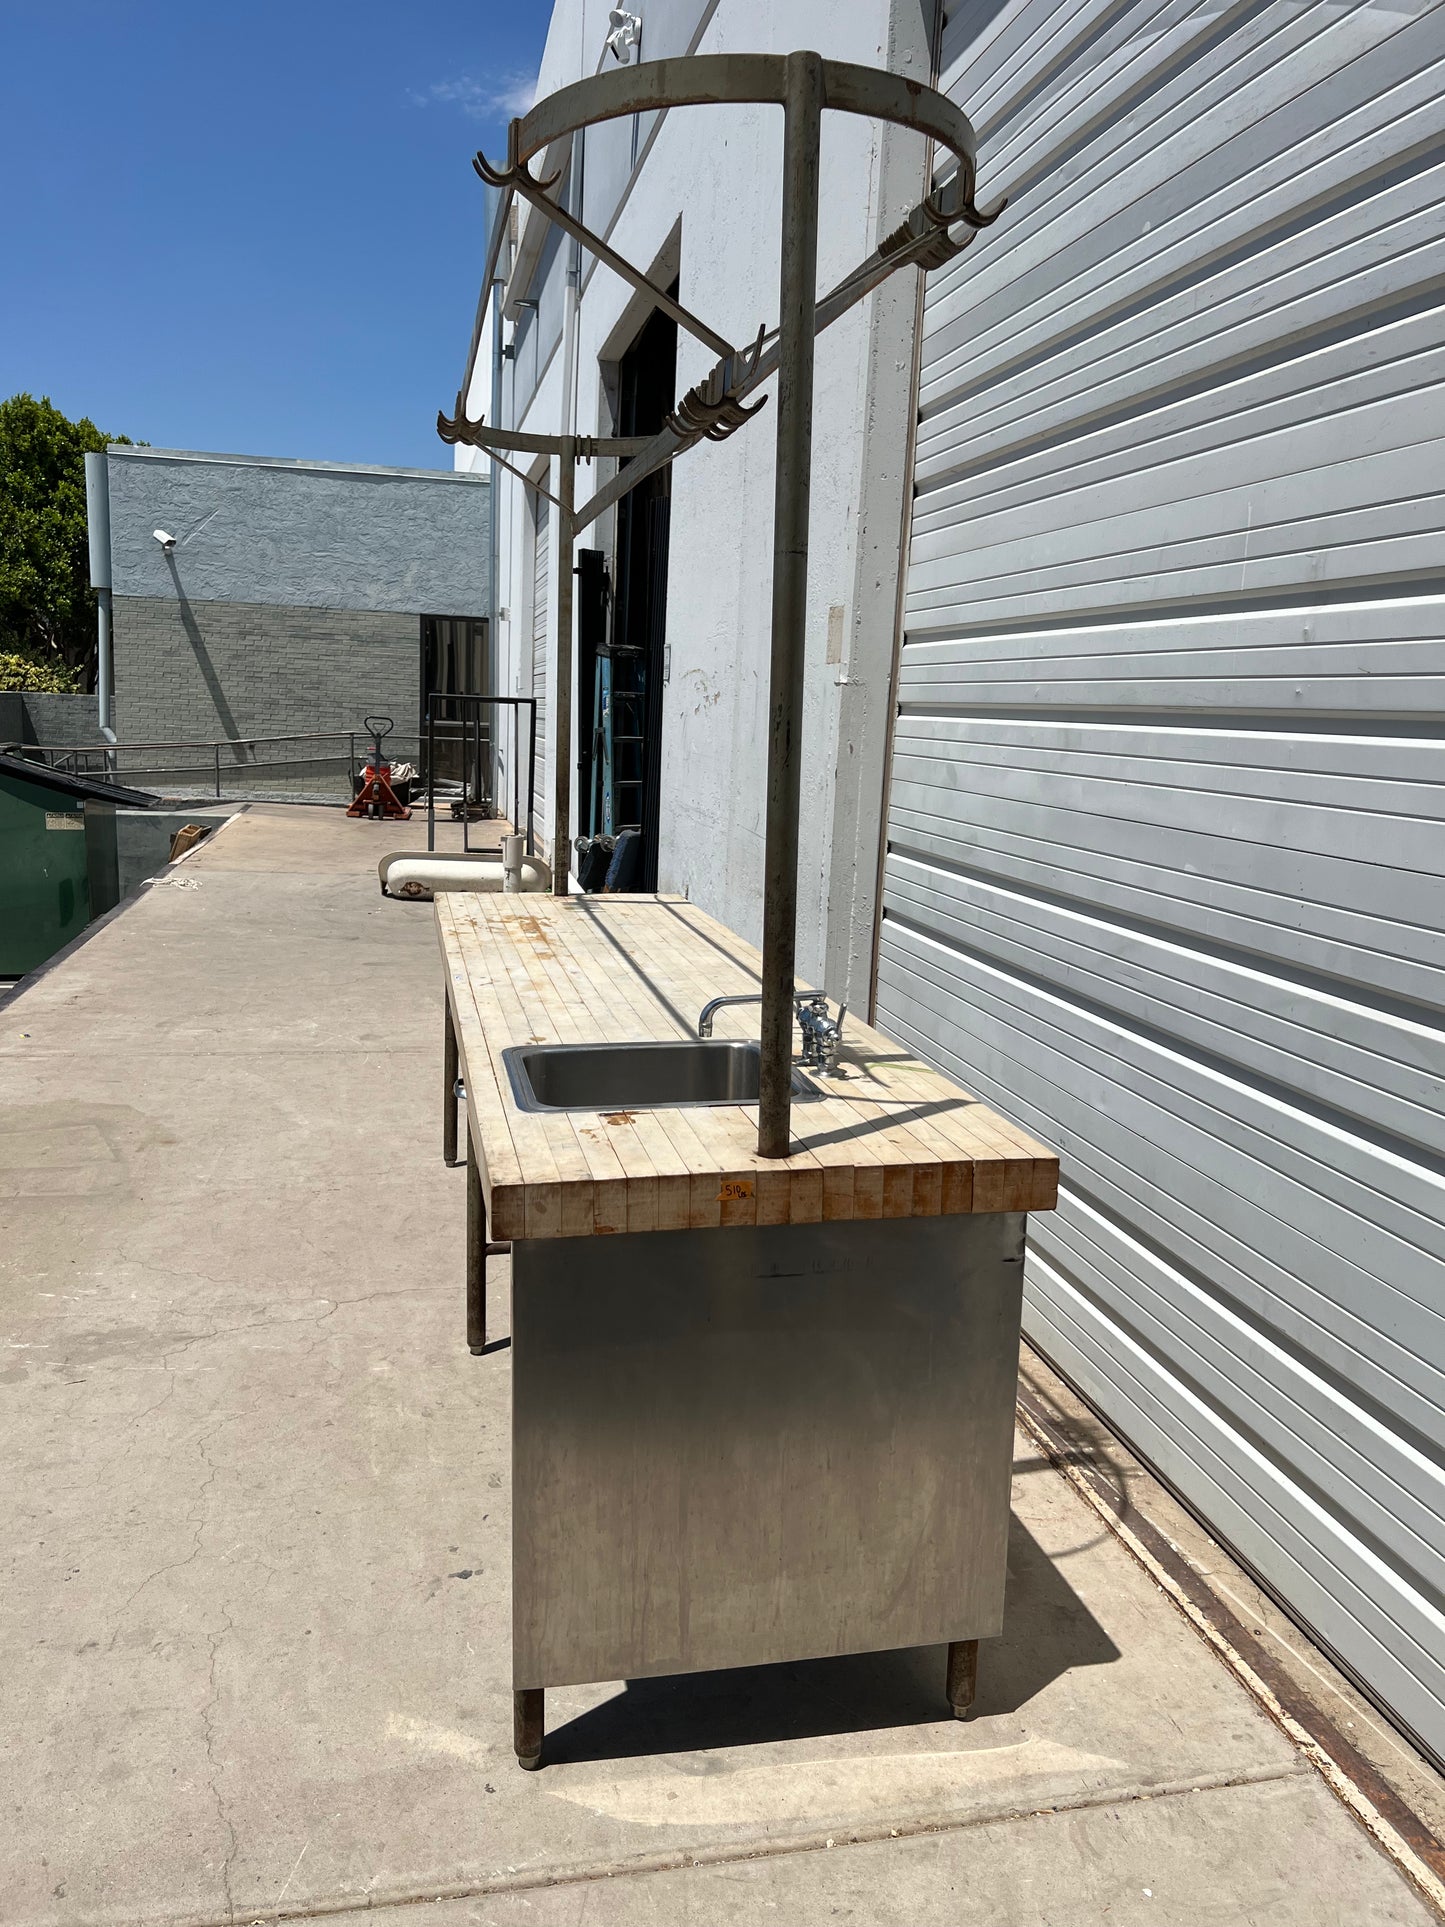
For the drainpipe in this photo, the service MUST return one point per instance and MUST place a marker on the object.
(97, 520)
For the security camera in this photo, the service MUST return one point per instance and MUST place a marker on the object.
(167, 542)
(626, 34)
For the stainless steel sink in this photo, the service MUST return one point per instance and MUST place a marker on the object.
(637, 1077)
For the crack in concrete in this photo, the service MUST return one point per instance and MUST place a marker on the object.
(208, 1725)
(175, 1348)
(199, 1525)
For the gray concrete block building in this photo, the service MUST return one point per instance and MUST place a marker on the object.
(295, 596)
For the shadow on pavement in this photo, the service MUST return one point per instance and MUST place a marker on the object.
(1048, 1631)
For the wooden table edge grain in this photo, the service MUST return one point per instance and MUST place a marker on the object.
(897, 1138)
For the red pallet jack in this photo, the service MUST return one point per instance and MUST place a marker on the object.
(376, 798)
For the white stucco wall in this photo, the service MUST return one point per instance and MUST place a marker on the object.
(717, 171)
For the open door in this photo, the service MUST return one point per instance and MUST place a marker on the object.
(626, 721)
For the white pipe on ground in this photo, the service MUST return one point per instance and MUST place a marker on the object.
(424, 876)
(513, 857)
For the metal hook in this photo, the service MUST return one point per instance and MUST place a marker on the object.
(515, 171)
(715, 408)
(458, 427)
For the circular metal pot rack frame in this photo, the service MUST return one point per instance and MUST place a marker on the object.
(938, 228)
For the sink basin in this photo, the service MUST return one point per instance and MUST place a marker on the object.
(637, 1077)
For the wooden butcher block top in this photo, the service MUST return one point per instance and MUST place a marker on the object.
(894, 1139)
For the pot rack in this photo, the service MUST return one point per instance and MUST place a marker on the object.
(937, 229)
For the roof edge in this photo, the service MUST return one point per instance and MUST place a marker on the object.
(470, 478)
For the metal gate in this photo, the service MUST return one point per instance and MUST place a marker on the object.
(1165, 811)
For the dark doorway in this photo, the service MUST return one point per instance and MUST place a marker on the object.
(623, 777)
(455, 661)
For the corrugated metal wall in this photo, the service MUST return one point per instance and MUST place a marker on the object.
(1165, 817)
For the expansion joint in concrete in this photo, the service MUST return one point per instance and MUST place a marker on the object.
(737, 1853)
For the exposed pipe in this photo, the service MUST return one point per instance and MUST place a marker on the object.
(797, 298)
(104, 673)
(97, 523)
(422, 876)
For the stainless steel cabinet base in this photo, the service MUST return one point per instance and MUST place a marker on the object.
(735, 1447)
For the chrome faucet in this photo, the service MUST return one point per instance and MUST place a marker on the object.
(704, 1022)
(822, 1034)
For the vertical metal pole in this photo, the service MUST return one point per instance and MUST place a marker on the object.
(217, 748)
(466, 777)
(531, 770)
(449, 1085)
(431, 780)
(562, 788)
(803, 108)
(476, 1253)
(481, 727)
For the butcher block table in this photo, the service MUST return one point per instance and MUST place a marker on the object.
(762, 1408)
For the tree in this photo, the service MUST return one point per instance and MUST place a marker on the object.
(47, 608)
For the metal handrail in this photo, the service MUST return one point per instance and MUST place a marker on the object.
(75, 758)
(203, 742)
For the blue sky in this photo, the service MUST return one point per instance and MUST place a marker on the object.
(249, 226)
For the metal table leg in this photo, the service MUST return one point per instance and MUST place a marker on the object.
(528, 1710)
(449, 1087)
(962, 1676)
(476, 1255)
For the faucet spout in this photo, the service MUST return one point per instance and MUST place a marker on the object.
(822, 1034)
(710, 1010)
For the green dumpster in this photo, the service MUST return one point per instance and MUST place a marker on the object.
(58, 866)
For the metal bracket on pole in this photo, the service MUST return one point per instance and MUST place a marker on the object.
(804, 85)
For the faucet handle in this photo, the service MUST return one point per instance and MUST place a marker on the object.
(830, 1041)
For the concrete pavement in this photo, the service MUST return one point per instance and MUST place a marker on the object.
(254, 1618)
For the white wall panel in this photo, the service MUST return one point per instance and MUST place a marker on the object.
(1167, 801)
